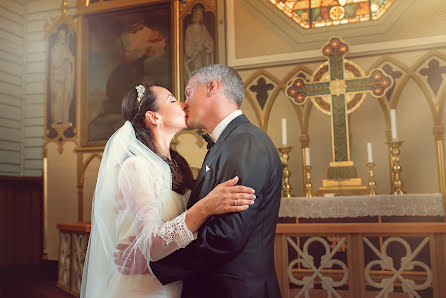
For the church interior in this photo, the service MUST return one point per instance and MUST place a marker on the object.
(351, 92)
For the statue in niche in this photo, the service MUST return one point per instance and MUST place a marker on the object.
(61, 77)
(199, 44)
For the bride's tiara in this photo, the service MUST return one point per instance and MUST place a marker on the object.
(141, 89)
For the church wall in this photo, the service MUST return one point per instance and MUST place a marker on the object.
(61, 204)
(253, 36)
(37, 14)
(90, 177)
(415, 121)
(11, 86)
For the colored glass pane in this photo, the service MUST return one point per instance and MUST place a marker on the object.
(321, 13)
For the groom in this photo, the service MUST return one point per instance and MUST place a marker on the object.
(233, 255)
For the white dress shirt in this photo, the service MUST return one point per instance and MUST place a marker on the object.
(223, 123)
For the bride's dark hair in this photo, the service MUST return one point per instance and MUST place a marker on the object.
(134, 112)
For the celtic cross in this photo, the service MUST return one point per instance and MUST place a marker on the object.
(338, 87)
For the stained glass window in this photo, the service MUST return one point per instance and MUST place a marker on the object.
(321, 13)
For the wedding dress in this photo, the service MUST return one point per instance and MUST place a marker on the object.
(133, 197)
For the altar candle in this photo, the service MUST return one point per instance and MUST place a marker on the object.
(393, 124)
(369, 153)
(307, 156)
(284, 141)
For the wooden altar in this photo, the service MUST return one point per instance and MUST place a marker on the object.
(359, 262)
(370, 256)
(391, 246)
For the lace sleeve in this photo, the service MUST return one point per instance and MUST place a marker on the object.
(175, 231)
(141, 192)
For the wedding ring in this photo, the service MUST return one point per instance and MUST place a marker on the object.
(235, 203)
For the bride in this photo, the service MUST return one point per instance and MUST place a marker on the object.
(141, 196)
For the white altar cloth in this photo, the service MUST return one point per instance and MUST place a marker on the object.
(363, 205)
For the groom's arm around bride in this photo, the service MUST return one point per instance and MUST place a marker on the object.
(233, 255)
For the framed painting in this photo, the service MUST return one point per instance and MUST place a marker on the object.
(122, 48)
(198, 38)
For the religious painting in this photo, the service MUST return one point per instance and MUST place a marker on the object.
(123, 49)
(61, 81)
(199, 38)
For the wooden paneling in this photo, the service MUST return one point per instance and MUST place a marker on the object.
(11, 92)
(37, 14)
(21, 220)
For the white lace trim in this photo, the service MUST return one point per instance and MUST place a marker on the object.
(175, 231)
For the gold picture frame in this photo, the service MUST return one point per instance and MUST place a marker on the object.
(112, 61)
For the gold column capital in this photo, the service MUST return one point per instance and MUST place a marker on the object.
(304, 140)
(438, 131)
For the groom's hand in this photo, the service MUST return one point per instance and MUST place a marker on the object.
(129, 258)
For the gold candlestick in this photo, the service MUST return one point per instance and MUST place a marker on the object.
(397, 185)
(372, 184)
(287, 190)
(307, 172)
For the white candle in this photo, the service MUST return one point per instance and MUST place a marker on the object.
(393, 124)
(369, 152)
(307, 156)
(284, 140)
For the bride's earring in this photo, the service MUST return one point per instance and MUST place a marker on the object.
(158, 124)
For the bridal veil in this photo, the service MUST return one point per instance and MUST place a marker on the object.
(133, 182)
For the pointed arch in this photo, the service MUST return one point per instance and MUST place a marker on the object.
(384, 104)
(262, 116)
(85, 165)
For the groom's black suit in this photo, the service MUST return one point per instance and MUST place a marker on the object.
(233, 255)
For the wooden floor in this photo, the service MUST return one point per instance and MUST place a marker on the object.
(30, 281)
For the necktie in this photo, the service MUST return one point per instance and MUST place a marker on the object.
(209, 140)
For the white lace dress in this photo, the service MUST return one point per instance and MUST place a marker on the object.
(142, 205)
(146, 285)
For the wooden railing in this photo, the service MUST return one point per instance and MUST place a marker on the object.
(361, 260)
(21, 220)
(73, 243)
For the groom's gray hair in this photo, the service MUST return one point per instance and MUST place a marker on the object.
(231, 81)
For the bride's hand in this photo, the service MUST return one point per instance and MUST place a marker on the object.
(228, 197)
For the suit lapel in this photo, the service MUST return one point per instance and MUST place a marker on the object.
(212, 154)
